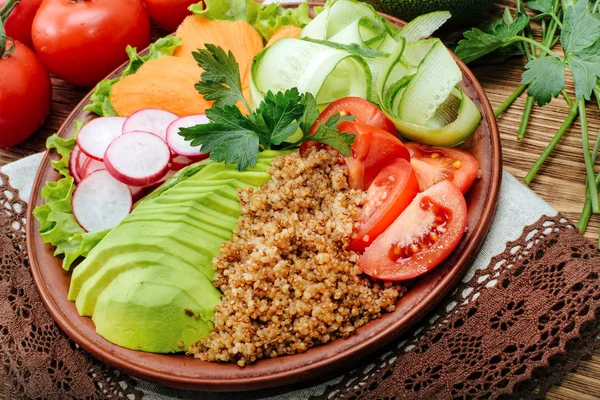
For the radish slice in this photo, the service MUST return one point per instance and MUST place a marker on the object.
(80, 163)
(177, 143)
(96, 135)
(73, 158)
(90, 166)
(138, 158)
(137, 192)
(179, 162)
(101, 202)
(150, 120)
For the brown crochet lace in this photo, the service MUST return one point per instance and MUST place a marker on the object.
(511, 331)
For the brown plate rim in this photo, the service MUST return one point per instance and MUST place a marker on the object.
(325, 365)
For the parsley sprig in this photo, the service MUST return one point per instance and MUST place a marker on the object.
(236, 138)
(575, 24)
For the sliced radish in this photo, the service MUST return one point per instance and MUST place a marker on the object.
(101, 202)
(90, 166)
(177, 143)
(73, 163)
(150, 120)
(80, 163)
(138, 158)
(96, 135)
(137, 192)
(179, 162)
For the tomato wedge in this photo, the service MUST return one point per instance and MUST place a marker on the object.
(363, 111)
(390, 193)
(372, 150)
(420, 238)
(435, 164)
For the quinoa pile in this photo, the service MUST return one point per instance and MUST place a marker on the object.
(287, 280)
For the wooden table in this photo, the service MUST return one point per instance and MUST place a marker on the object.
(561, 182)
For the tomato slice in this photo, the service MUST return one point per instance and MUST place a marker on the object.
(372, 150)
(435, 164)
(363, 111)
(420, 238)
(390, 193)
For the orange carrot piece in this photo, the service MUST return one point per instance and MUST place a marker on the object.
(166, 83)
(286, 31)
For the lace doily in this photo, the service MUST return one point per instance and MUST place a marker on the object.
(38, 360)
(512, 330)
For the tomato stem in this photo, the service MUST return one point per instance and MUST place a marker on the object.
(5, 11)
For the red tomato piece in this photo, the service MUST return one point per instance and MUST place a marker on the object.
(363, 111)
(168, 14)
(389, 194)
(83, 41)
(420, 238)
(18, 24)
(435, 164)
(25, 95)
(372, 150)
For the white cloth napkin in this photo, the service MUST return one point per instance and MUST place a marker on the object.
(518, 207)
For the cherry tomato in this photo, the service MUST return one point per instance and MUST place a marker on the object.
(18, 24)
(435, 164)
(372, 150)
(363, 111)
(420, 238)
(389, 194)
(83, 41)
(168, 14)
(25, 95)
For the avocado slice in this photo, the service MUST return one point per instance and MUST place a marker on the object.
(200, 212)
(145, 309)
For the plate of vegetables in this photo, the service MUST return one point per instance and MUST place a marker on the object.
(267, 194)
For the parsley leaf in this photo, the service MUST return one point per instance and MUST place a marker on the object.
(221, 77)
(543, 6)
(580, 28)
(279, 111)
(478, 43)
(311, 113)
(585, 66)
(340, 141)
(547, 78)
(230, 137)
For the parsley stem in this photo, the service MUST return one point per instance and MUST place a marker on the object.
(546, 153)
(567, 97)
(586, 212)
(544, 15)
(511, 99)
(536, 44)
(595, 6)
(589, 165)
(525, 118)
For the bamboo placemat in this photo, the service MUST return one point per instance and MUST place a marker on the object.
(561, 182)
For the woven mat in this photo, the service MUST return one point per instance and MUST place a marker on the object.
(524, 314)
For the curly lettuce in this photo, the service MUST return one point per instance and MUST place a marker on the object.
(57, 222)
(100, 98)
(265, 18)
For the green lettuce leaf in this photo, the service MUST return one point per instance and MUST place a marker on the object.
(100, 98)
(265, 18)
(57, 222)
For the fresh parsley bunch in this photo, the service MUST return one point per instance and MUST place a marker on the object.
(236, 138)
(575, 24)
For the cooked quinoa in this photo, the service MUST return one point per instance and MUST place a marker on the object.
(287, 280)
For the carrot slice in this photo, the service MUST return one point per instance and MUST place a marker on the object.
(238, 36)
(287, 31)
(166, 83)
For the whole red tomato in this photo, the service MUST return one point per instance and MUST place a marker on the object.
(18, 24)
(168, 14)
(25, 94)
(82, 41)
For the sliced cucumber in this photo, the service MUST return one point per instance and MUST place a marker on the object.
(326, 72)
(365, 31)
(449, 135)
(448, 111)
(423, 26)
(437, 75)
(416, 52)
